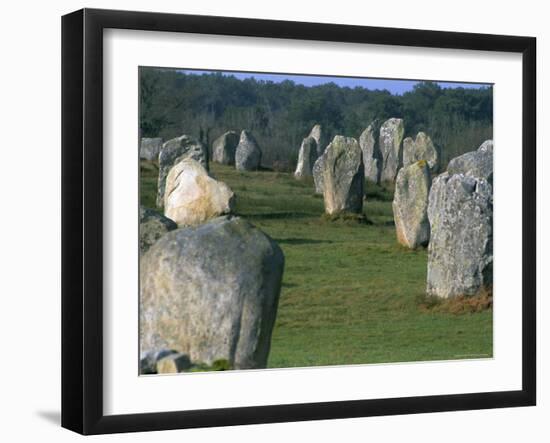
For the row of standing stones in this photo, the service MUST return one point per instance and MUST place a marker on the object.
(210, 281)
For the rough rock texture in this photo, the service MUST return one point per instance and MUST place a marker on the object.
(172, 152)
(193, 197)
(422, 148)
(306, 158)
(478, 163)
(149, 148)
(211, 292)
(224, 147)
(148, 360)
(317, 133)
(248, 155)
(460, 253)
(390, 145)
(152, 226)
(317, 172)
(410, 205)
(372, 158)
(343, 176)
(173, 363)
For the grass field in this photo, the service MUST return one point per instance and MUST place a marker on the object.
(350, 293)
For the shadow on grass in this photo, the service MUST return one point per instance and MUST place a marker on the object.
(301, 241)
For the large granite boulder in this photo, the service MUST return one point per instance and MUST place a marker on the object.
(149, 148)
(306, 158)
(317, 133)
(317, 172)
(372, 158)
(478, 163)
(410, 205)
(248, 155)
(224, 147)
(390, 145)
(460, 253)
(343, 176)
(421, 148)
(193, 197)
(172, 152)
(211, 292)
(152, 226)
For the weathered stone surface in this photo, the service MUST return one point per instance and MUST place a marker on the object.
(173, 363)
(390, 145)
(224, 147)
(248, 155)
(343, 176)
(152, 226)
(172, 152)
(410, 205)
(478, 163)
(211, 292)
(306, 158)
(193, 197)
(317, 133)
(148, 360)
(422, 148)
(149, 148)
(317, 172)
(460, 253)
(372, 158)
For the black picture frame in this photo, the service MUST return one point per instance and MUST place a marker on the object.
(82, 217)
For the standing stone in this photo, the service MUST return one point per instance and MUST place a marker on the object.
(172, 152)
(390, 144)
(193, 197)
(372, 157)
(422, 148)
(173, 363)
(152, 226)
(460, 253)
(410, 205)
(317, 133)
(318, 175)
(248, 155)
(343, 176)
(479, 163)
(149, 148)
(224, 147)
(306, 158)
(149, 359)
(211, 292)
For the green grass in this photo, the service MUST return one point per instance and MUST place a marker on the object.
(350, 293)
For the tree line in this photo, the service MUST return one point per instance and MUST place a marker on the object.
(281, 114)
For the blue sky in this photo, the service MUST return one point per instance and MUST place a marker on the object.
(394, 86)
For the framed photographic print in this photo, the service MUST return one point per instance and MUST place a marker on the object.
(269, 221)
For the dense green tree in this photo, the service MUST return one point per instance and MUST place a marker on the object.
(281, 114)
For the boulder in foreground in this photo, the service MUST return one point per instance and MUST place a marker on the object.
(212, 292)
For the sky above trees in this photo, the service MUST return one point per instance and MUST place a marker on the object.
(394, 86)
